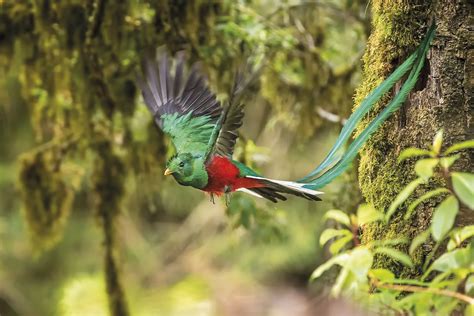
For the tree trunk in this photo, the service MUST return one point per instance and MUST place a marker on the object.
(443, 99)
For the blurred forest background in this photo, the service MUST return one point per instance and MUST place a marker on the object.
(81, 161)
(88, 223)
(80, 149)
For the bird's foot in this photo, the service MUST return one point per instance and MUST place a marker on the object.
(212, 198)
(227, 191)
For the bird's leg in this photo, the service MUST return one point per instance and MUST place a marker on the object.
(227, 191)
(212, 198)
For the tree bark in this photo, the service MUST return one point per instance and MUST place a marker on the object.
(443, 99)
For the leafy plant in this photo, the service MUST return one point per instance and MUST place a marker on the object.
(447, 283)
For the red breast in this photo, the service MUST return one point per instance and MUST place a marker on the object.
(223, 173)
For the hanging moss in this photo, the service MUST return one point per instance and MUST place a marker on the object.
(47, 198)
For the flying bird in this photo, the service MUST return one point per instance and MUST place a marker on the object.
(204, 131)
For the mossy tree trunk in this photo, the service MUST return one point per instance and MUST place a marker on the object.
(443, 99)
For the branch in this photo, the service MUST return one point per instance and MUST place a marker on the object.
(419, 289)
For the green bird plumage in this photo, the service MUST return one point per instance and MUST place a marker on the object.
(204, 132)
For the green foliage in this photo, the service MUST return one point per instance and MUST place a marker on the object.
(443, 218)
(402, 196)
(418, 241)
(459, 235)
(463, 184)
(339, 216)
(468, 144)
(428, 195)
(446, 284)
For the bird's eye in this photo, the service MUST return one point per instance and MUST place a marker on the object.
(181, 164)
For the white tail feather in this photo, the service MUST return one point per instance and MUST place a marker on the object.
(291, 185)
(250, 192)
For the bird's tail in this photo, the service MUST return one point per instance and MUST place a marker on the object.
(337, 161)
(271, 189)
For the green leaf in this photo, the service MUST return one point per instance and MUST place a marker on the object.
(437, 142)
(445, 305)
(418, 240)
(443, 279)
(447, 162)
(337, 245)
(340, 260)
(402, 196)
(456, 259)
(469, 285)
(423, 198)
(463, 184)
(329, 233)
(416, 303)
(361, 262)
(383, 275)
(358, 261)
(388, 242)
(326, 266)
(340, 281)
(366, 213)
(339, 216)
(424, 167)
(412, 152)
(460, 146)
(354, 271)
(443, 217)
(458, 236)
(395, 255)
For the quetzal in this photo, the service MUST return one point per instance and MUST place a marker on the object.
(204, 132)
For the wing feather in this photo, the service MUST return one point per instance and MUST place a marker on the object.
(183, 106)
(225, 134)
(228, 134)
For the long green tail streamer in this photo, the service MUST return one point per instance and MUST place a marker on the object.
(336, 163)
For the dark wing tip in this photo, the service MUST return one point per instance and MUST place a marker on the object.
(168, 92)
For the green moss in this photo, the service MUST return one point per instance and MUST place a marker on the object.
(380, 176)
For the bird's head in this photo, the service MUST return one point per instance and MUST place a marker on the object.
(187, 170)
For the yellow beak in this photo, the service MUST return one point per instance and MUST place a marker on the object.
(168, 172)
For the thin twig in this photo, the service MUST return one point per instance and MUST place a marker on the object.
(413, 288)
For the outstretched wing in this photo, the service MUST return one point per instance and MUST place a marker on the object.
(182, 105)
(225, 134)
